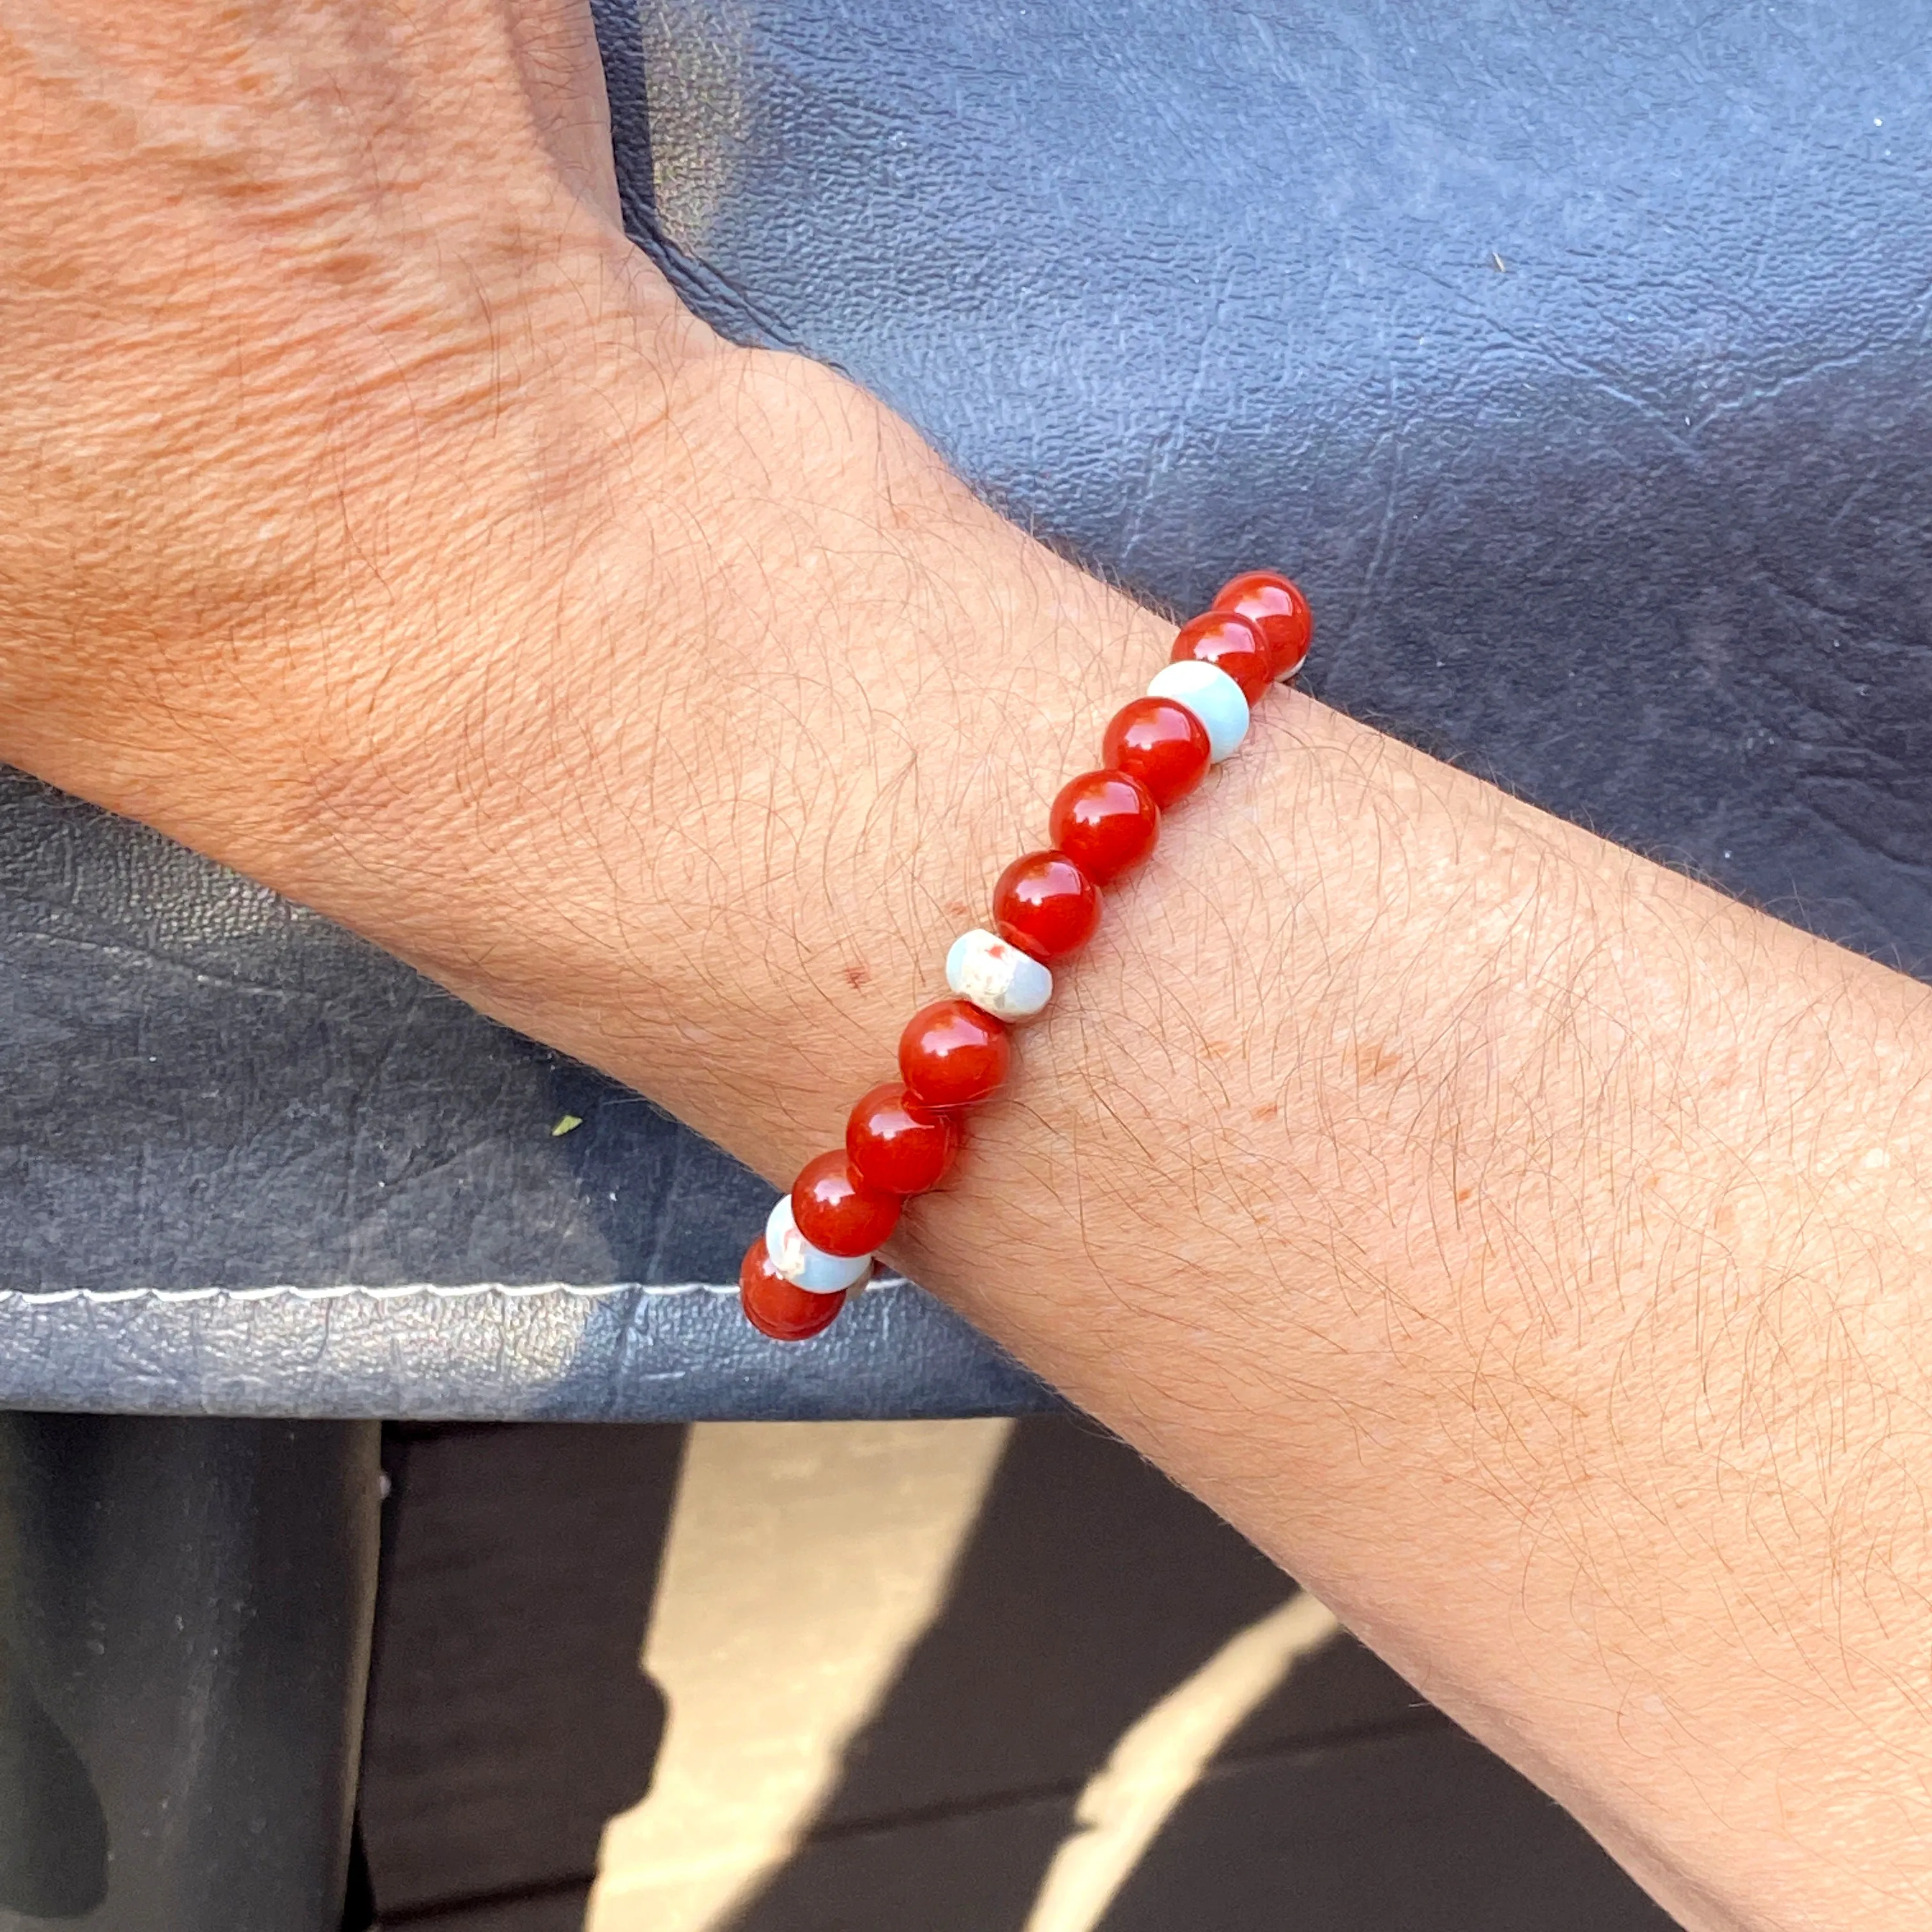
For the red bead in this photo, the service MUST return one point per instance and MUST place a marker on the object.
(951, 1054)
(1105, 822)
(1161, 743)
(1275, 606)
(1227, 639)
(1044, 904)
(837, 1213)
(774, 1306)
(894, 1144)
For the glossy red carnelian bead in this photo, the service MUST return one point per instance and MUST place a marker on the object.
(836, 1212)
(1275, 606)
(773, 1306)
(894, 1144)
(1232, 642)
(1105, 822)
(1159, 742)
(951, 1054)
(1044, 904)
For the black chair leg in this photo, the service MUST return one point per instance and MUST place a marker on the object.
(185, 1619)
(359, 1898)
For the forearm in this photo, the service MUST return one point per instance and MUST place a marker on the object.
(1517, 1241)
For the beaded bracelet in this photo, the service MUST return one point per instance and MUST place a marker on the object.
(818, 1245)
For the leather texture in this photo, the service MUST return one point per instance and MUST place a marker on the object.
(531, 1352)
(1575, 359)
(254, 1167)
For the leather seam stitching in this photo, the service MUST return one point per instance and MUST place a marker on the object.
(440, 1291)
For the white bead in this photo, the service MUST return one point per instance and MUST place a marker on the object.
(800, 1263)
(998, 978)
(1214, 698)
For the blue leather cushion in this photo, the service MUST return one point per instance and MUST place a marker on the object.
(1575, 358)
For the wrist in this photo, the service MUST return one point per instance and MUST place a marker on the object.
(696, 762)
(270, 573)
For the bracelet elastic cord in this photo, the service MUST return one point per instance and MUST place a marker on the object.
(819, 1242)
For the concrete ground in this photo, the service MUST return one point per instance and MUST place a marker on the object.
(902, 1677)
